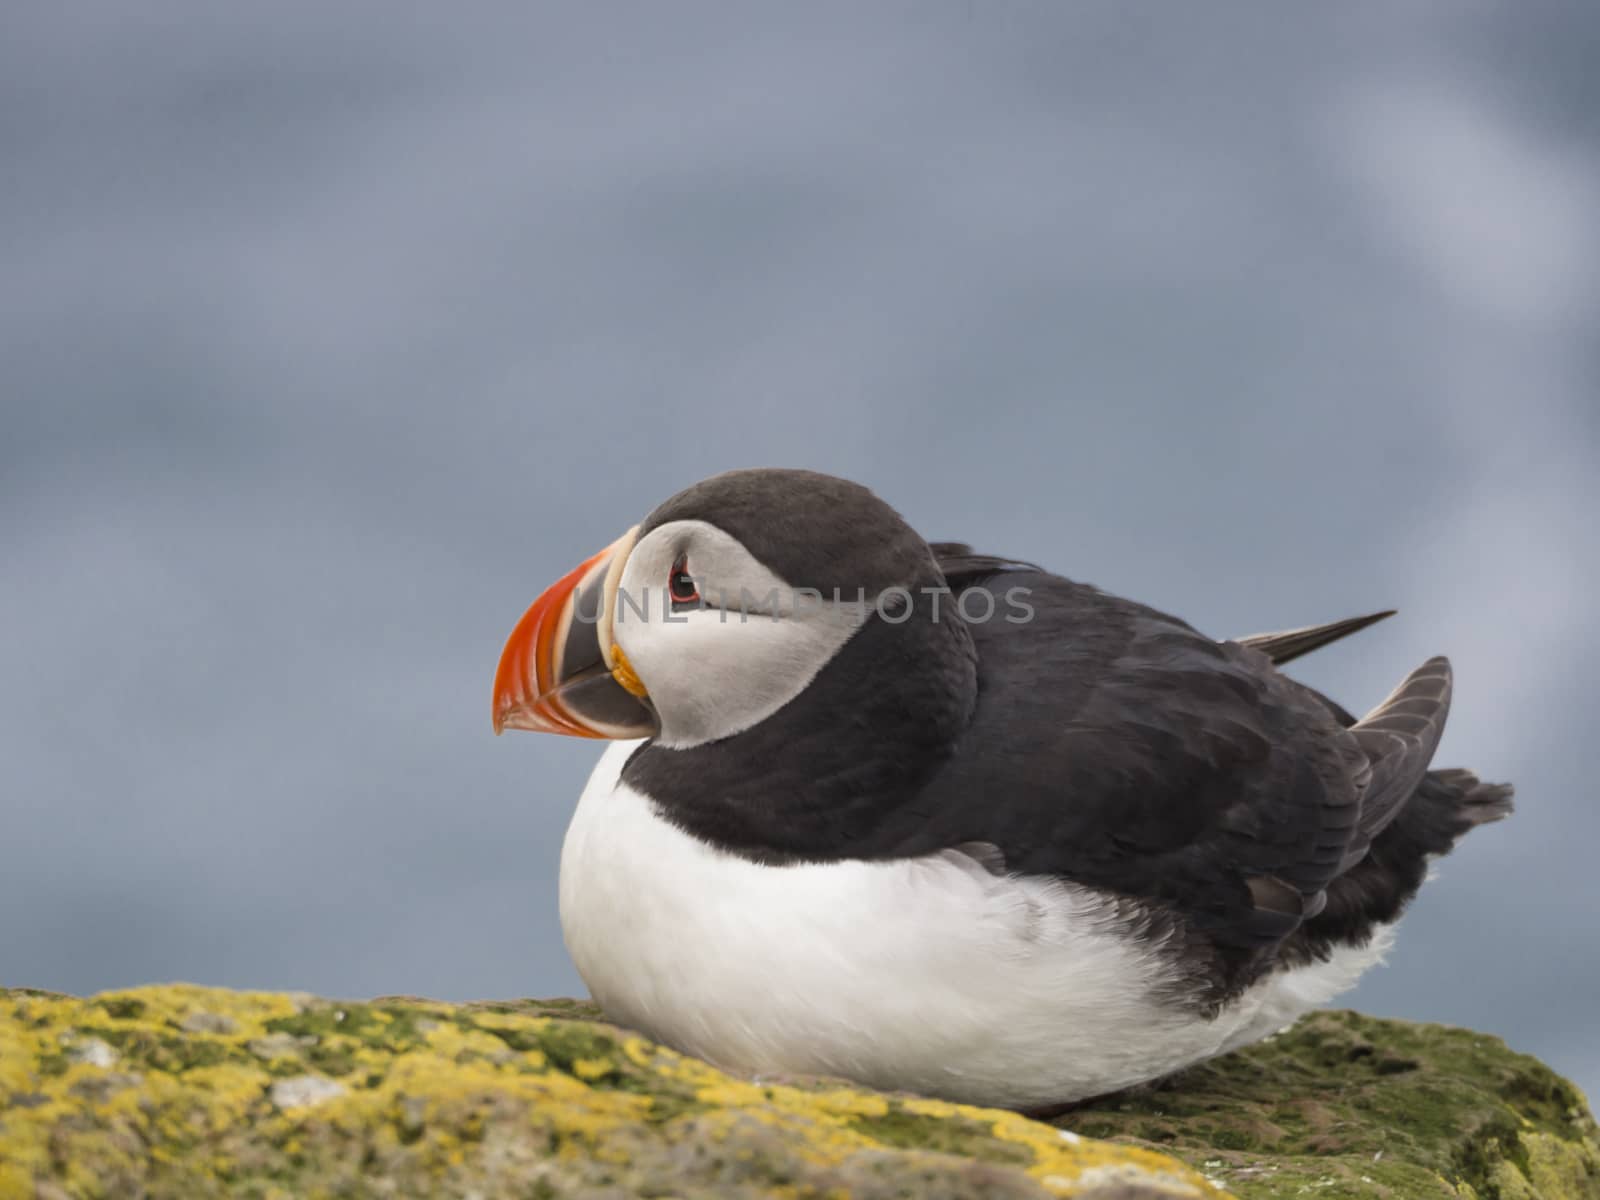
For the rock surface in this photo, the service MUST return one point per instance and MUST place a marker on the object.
(1347, 1105)
(191, 1092)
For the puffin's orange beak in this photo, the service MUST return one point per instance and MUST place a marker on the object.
(561, 671)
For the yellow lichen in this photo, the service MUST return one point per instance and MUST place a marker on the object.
(591, 1068)
(440, 1097)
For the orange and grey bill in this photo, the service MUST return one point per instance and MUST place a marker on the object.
(561, 672)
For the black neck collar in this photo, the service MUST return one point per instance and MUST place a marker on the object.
(816, 780)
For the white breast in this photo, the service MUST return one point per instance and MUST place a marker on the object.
(929, 974)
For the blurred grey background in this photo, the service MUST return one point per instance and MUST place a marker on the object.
(330, 334)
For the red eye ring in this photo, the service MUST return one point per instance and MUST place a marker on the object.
(681, 587)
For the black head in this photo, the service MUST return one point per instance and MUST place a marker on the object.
(811, 530)
(726, 605)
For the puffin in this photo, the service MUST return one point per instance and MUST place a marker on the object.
(948, 823)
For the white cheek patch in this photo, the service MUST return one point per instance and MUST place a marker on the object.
(725, 676)
(712, 672)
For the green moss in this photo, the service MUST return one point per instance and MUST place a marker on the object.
(163, 1049)
(330, 1058)
(561, 1009)
(52, 1065)
(1346, 1097)
(898, 1127)
(569, 1043)
(322, 1020)
(122, 1008)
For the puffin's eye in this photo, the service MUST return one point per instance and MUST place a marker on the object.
(680, 584)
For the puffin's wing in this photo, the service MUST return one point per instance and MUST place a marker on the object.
(963, 567)
(1398, 739)
(1290, 644)
(1118, 748)
(1288, 801)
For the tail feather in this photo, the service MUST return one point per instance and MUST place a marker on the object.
(1399, 738)
(1446, 805)
(1289, 644)
(1479, 803)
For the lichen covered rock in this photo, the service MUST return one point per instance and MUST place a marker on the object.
(1343, 1105)
(190, 1092)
